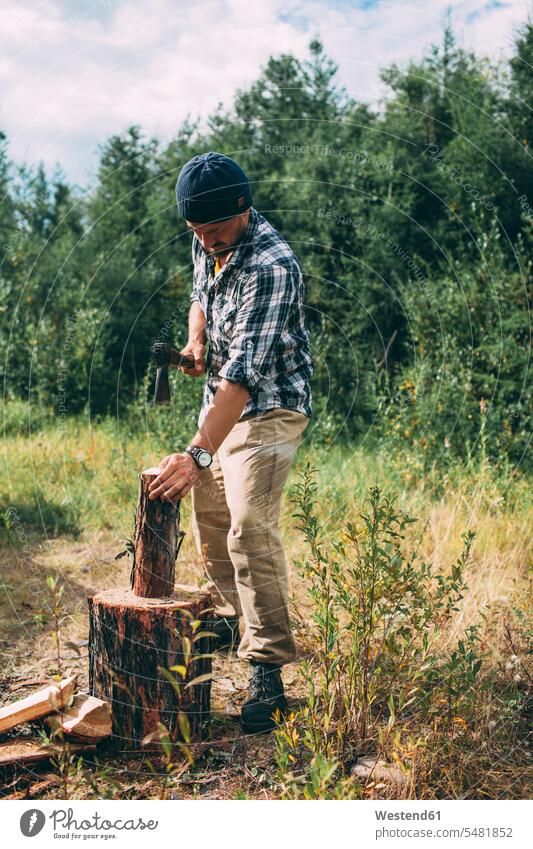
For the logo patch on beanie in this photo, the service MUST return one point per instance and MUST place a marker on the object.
(240, 201)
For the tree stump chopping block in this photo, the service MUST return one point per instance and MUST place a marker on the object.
(130, 640)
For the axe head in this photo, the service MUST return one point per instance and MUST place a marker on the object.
(161, 357)
(162, 386)
(164, 355)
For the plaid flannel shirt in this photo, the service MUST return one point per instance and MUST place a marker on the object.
(255, 326)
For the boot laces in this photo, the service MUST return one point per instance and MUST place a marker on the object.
(262, 683)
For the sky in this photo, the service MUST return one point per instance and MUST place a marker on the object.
(72, 72)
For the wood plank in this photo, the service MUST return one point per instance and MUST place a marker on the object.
(29, 751)
(41, 703)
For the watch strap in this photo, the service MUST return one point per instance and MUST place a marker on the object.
(194, 450)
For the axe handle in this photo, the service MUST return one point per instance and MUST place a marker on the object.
(177, 359)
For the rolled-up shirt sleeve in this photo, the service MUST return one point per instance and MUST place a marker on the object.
(195, 295)
(262, 316)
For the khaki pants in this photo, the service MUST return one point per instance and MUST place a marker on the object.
(236, 504)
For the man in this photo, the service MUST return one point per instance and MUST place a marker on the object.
(247, 303)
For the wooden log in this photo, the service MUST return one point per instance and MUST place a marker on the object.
(33, 789)
(155, 542)
(130, 639)
(86, 717)
(30, 751)
(27, 682)
(41, 703)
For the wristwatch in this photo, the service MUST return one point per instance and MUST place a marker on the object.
(201, 456)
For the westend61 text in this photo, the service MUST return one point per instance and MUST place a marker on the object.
(407, 815)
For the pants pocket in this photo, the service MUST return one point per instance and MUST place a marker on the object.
(242, 436)
(280, 426)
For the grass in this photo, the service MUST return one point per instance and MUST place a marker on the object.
(67, 501)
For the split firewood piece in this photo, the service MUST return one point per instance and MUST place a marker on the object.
(29, 751)
(155, 543)
(86, 717)
(45, 701)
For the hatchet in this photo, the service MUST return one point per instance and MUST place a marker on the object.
(165, 356)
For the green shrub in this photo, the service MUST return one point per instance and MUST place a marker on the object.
(378, 613)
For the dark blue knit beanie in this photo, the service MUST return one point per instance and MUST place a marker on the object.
(210, 187)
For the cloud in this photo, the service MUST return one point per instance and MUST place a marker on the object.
(75, 72)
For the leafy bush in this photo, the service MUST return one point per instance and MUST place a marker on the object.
(377, 614)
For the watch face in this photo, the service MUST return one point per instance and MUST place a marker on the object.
(204, 459)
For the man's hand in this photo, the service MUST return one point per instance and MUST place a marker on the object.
(177, 476)
(196, 350)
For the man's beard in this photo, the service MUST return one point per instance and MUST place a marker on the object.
(227, 249)
(221, 251)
